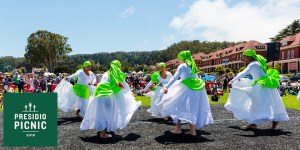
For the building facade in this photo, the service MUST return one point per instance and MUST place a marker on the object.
(231, 57)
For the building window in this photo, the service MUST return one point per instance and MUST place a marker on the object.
(288, 54)
(282, 55)
(292, 54)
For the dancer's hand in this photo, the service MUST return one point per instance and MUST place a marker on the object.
(165, 90)
(142, 92)
(230, 82)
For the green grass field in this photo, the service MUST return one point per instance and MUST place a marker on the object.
(290, 101)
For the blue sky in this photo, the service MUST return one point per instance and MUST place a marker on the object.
(106, 26)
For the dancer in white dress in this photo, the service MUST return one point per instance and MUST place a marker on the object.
(76, 97)
(186, 99)
(161, 78)
(112, 106)
(256, 101)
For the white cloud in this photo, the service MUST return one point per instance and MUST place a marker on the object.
(127, 12)
(217, 20)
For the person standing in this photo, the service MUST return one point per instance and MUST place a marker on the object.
(161, 78)
(256, 101)
(112, 105)
(186, 99)
(76, 97)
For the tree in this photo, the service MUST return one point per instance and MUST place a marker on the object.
(291, 29)
(23, 70)
(227, 70)
(46, 48)
(241, 69)
(220, 70)
(276, 66)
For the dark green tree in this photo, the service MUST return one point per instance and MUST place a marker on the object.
(46, 48)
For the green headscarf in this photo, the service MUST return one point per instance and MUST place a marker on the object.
(187, 58)
(155, 75)
(260, 59)
(86, 64)
(115, 74)
(161, 65)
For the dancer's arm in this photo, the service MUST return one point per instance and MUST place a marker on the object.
(244, 72)
(176, 76)
(148, 85)
(76, 74)
(125, 85)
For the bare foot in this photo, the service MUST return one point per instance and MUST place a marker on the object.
(176, 131)
(274, 125)
(105, 136)
(192, 133)
(77, 113)
(251, 126)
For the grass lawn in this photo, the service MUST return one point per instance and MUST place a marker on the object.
(290, 101)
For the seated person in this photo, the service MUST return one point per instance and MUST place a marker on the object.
(214, 95)
(9, 89)
(138, 90)
(281, 90)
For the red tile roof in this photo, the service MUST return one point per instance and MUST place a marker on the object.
(296, 40)
(288, 38)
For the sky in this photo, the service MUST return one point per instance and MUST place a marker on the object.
(94, 26)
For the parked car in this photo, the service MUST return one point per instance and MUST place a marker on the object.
(295, 78)
(284, 78)
(211, 78)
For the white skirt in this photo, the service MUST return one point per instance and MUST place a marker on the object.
(256, 105)
(156, 102)
(68, 100)
(110, 112)
(298, 97)
(182, 103)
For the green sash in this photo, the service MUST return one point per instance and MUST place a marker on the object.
(271, 80)
(82, 91)
(194, 83)
(105, 89)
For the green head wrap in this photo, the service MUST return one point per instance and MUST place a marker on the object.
(154, 76)
(86, 64)
(260, 59)
(187, 58)
(115, 74)
(161, 65)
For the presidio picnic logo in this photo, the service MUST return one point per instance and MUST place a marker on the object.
(30, 119)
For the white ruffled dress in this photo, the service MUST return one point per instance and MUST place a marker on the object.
(67, 99)
(156, 96)
(110, 112)
(257, 104)
(185, 104)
